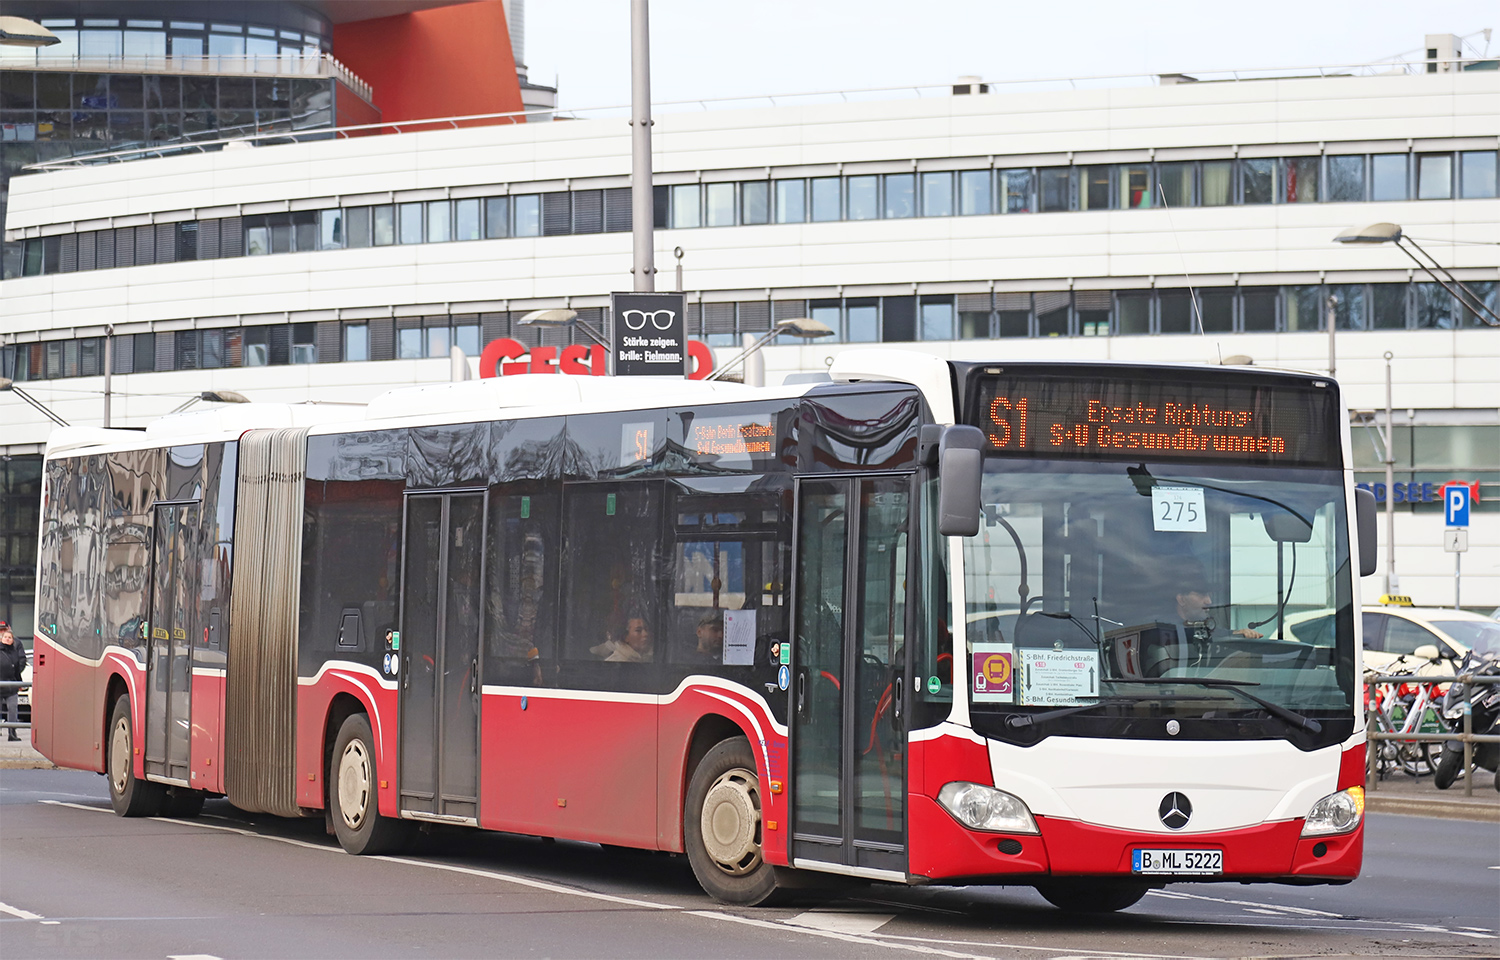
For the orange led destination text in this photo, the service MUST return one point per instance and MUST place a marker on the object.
(733, 439)
(1181, 427)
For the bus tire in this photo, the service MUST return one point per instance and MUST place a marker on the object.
(1092, 896)
(129, 796)
(722, 826)
(354, 797)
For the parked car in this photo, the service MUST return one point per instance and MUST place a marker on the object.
(1395, 627)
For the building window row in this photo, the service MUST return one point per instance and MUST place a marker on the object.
(111, 38)
(978, 316)
(1333, 178)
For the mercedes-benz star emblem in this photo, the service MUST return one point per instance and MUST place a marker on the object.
(1175, 810)
(1173, 728)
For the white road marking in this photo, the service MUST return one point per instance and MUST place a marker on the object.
(820, 929)
(192, 956)
(18, 913)
(845, 937)
(841, 921)
(1252, 906)
(1043, 949)
(528, 882)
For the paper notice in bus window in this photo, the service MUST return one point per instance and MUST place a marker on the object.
(1058, 678)
(1179, 509)
(993, 678)
(739, 638)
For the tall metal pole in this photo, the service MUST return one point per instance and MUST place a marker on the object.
(109, 362)
(642, 210)
(1332, 323)
(1390, 484)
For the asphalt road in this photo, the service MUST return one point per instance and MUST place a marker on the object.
(76, 881)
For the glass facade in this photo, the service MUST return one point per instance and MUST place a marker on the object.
(1467, 175)
(854, 319)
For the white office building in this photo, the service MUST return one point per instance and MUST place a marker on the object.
(1170, 219)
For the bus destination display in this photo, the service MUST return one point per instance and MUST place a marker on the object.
(1153, 419)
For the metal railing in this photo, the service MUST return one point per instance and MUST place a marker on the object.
(1465, 735)
(1395, 66)
(264, 65)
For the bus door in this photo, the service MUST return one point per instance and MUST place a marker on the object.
(848, 744)
(440, 684)
(169, 650)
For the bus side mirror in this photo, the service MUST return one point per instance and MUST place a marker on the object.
(1364, 522)
(960, 469)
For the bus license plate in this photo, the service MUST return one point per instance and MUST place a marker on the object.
(1178, 861)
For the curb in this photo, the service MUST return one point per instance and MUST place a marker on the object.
(1482, 811)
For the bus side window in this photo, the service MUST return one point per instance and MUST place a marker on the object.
(612, 571)
(521, 595)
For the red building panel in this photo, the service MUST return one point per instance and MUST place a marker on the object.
(445, 62)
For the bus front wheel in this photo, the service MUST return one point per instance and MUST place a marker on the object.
(129, 796)
(722, 826)
(354, 796)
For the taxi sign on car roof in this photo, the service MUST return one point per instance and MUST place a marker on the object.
(1395, 600)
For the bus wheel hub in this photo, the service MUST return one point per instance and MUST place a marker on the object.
(731, 822)
(354, 784)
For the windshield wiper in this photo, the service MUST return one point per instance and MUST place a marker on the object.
(1018, 720)
(1234, 686)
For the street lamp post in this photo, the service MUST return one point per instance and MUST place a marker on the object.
(642, 208)
(802, 327)
(20, 32)
(563, 317)
(1392, 233)
(1390, 484)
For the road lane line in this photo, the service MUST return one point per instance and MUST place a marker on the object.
(18, 913)
(527, 882)
(841, 921)
(452, 868)
(1252, 906)
(1046, 949)
(869, 941)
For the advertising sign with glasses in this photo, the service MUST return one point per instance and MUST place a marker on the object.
(650, 335)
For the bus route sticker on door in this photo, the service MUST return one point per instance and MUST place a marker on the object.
(993, 674)
(1058, 678)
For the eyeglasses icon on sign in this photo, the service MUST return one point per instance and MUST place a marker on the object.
(636, 319)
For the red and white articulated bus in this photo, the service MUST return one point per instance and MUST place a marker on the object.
(1086, 627)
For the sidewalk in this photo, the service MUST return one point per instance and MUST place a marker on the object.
(20, 755)
(1418, 797)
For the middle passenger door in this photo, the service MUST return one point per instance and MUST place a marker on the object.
(848, 741)
(440, 635)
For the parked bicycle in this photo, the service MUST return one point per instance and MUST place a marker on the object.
(1406, 708)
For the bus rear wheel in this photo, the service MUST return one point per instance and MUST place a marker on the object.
(1091, 896)
(354, 796)
(722, 826)
(129, 796)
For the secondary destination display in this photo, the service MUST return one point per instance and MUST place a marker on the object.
(1090, 417)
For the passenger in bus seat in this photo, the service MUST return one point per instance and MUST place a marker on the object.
(710, 638)
(635, 645)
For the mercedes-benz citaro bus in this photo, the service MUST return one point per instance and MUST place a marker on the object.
(916, 621)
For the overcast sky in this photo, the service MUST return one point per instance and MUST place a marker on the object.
(718, 48)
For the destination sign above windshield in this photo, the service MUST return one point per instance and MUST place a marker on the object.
(1155, 419)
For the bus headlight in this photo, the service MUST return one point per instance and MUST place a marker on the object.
(985, 808)
(1336, 813)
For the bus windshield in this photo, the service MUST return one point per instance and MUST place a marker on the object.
(1100, 582)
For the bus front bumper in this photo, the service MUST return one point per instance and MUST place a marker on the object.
(943, 850)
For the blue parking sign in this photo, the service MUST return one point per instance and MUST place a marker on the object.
(1456, 506)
